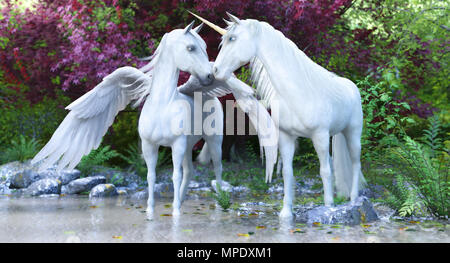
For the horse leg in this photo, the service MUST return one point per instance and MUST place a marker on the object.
(215, 150)
(150, 153)
(353, 138)
(287, 149)
(188, 169)
(178, 152)
(321, 143)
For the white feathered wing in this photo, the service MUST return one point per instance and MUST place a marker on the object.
(90, 117)
(257, 113)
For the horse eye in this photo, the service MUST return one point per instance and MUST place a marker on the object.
(190, 48)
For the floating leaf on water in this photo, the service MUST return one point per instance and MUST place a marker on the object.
(403, 228)
(251, 233)
(411, 230)
(260, 227)
(335, 238)
(297, 230)
(117, 237)
(134, 225)
(93, 206)
(414, 222)
(138, 207)
(366, 225)
(300, 224)
(186, 230)
(330, 232)
(127, 208)
(166, 215)
(243, 235)
(199, 213)
(336, 226)
(168, 205)
(369, 232)
(317, 224)
(69, 232)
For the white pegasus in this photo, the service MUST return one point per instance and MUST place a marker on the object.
(163, 113)
(313, 103)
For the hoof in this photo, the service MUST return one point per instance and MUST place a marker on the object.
(176, 212)
(286, 213)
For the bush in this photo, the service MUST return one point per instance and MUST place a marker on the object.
(384, 118)
(20, 150)
(97, 157)
(18, 117)
(422, 174)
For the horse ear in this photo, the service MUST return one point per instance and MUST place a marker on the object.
(233, 18)
(198, 28)
(189, 27)
(229, 23)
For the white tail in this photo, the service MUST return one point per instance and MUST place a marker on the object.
(204, 157)
(342, 167)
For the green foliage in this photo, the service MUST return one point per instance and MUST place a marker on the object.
(19, 117)
(20, 150)
(222, 197)
(134, 158)
(258, 184)
(422, 174)
(96, 158)
(408, 39)
(383, 120)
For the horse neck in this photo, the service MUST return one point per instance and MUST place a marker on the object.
(164, 83)
(281, 59)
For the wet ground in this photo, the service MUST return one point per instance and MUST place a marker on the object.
(78, 219)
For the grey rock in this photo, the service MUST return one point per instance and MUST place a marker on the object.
(122, 192)
(160, 188)
(82, 185)
(119, 178)
(227, 187)
(65, 176)
(276, 189)
(140, 195)
(195, 184)
(8, 170)
(372, 191)
(4, 189)
(21, 175)
(103, 190)
(23, 179)
(307, 185)
(361, 211)
(44, 187)
(240, 189)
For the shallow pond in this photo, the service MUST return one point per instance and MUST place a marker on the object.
(78, 219)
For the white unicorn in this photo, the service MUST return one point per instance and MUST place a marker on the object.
(313, 103)
(166, 118)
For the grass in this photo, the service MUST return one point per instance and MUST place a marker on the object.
(222, 197)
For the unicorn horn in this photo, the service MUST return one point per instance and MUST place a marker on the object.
(217, 28)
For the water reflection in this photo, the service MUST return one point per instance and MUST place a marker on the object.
(119, 219)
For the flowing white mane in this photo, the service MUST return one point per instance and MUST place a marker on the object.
(314, 78)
